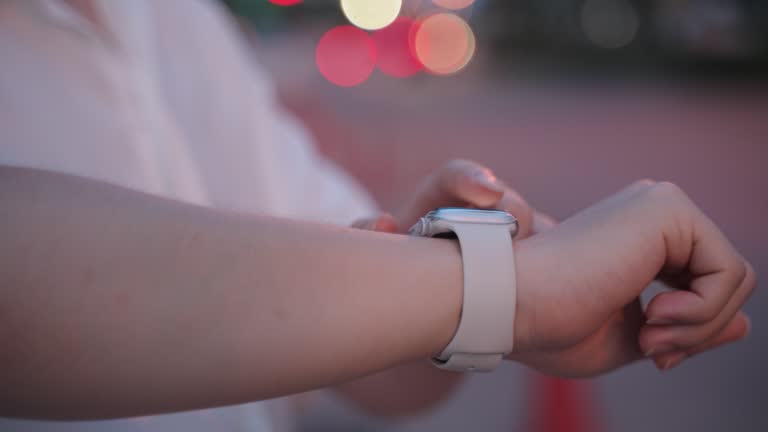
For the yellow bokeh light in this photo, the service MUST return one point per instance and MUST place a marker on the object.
(371, 14)
(444, 43)
(454, 4)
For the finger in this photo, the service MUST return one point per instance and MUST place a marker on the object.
(469, 182)
(662, 338)
(383, 223)
(515, 205)
(669, 361)
(636, 188)
(697, 249)
(737, 329)
(688, 307)
(542, 222)
(458, 183)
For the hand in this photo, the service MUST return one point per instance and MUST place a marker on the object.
(416, 387)
(463, 183)
(579, 283)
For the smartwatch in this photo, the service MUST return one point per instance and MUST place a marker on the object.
(486, 327)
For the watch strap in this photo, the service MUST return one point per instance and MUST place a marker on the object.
(486, 328)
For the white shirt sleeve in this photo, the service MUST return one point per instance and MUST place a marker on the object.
(320, 189)
(251, 153)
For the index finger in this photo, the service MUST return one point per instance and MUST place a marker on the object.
(700, 255)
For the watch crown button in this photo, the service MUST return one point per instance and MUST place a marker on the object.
(419, 228)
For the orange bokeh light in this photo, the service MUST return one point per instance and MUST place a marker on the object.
(454, 4)
(444, 43)
(346, 55)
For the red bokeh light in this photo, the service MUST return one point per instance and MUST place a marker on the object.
(285, 2)
(395, 57)
(346, 55)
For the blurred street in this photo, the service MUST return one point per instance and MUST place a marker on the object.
(564, 144)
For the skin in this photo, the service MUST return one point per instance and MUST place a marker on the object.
(148, 305)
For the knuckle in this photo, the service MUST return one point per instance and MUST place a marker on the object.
(709, 312)
(639, 187)
(666, 190)
(734, 272)
(740, 271)
(643, 183)
(750, 278)
(459, 164)
(670, 203)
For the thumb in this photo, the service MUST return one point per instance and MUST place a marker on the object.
(459, 183)
(468, 182)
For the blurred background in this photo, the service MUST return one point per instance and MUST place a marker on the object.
(567, 101)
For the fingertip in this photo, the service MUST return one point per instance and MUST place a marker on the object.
(747, 324)
(486, 180)
(647, 343)
(738, 328)
(656, 340)
(669, 361)
(385, 223)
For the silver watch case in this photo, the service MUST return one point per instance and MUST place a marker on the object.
(439, 221)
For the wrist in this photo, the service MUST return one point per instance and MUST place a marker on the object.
(448, 271)
(443, 263)
(525, 308)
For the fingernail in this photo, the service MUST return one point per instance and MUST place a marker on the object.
(384, 222)
(659, 321)
(672, 363)
(487, 180)
(748, 322)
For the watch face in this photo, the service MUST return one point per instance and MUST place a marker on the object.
(466, 215)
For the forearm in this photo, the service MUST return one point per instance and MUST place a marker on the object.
(117, 303)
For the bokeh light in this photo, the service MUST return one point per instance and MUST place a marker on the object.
(444, 43)
(285, 2)
(371, 14)
(394, 54)
(454, 4)
(609, 24)
(346, 55)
